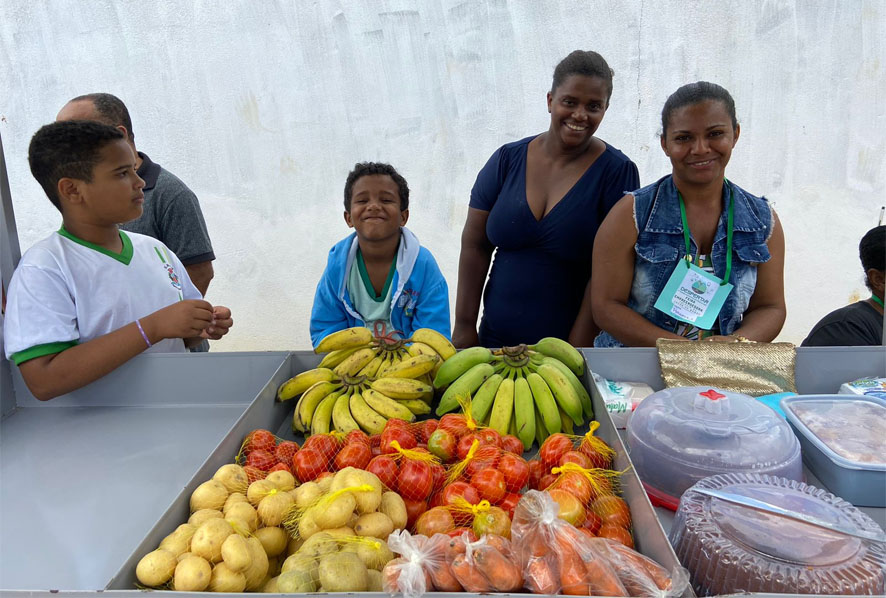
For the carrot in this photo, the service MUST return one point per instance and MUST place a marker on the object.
(468, 576)
(502, 573)
(443, 578)
(536, 544)
(573, 575)
(500, 544)
(603, 580)
(658, 574)
(541, 577)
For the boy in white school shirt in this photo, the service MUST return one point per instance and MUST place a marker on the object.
(90, 297)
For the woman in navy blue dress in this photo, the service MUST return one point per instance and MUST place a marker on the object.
(537, 205)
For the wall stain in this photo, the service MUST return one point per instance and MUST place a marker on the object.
(247, 108)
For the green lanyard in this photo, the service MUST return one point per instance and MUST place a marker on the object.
(728, 233)
(876, 300)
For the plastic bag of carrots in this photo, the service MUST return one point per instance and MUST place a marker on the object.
(410, 574)
(639, 574)
(487, 565)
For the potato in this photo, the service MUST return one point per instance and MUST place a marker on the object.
(258, 490)
(318, 545)
(294, 545)
(207, 541)
(200, 517)
(374, 554)
(274, 508)
(255, 574)
(283, 480)
(375, 581)
(233, 499)
(209, 495)
(340, 532)
(185, 529)
(274, 565)
(225, 579)
(307, 527)
(156, 568)
(343, 572)
(325, 483)
(175, 544)
(235, 553)
(300, 580)
(183, 556)
(367, 500)
(334, 511)
(273, 539)
(270, 586)
(393, 506)
(192, 575)
(376, 525)
(307, 494)
(233, 477)
(244, 512)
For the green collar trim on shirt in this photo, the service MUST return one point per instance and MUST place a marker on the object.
(124, 257)
(41, 350)
(367, 283)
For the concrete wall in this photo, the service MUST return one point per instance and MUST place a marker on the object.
(262, 107)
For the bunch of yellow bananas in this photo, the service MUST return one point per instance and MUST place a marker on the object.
(363, 381)
(530, 392)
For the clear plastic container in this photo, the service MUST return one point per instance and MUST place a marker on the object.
(678, 436)
(730, 548)
(843, 439)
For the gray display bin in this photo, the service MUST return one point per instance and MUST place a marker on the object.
(264, 412)
(83, 477)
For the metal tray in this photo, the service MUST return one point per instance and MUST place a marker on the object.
(264, 412)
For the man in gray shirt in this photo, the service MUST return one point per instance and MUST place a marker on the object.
(172, 213)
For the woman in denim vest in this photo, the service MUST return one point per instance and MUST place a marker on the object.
(641, 243)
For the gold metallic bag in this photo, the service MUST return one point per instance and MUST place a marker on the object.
(747, 367)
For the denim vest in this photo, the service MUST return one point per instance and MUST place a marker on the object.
(660, 246)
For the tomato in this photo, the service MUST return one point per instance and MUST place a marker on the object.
(279, 467)
(597, 459)
(259, 440)
(386, 468)
(284, 451)
(254, 473)
(617, 533)
(261, 459)
(512, 444)
(375, 441)
(459, 531)
(414, 510)
(325, 444)
(308, 463)
(509, 503)
(424, 430)
(575, 484)
(437, 520)
(553, 448)
(515, 470)
(395, 422)
(356, 454)
(464, 445)
(442, 445)
(438, 477)
(576, 457)
(536, 471)
(571, 509)
(491, 485)
(546, 480)
(494, 521)
(612, 510)
(415, 481)
(592, 522)
(489, 437)
(357, 436)
(455, 423)
(459, 489)
(323, 475)
(399, 434)
(486, 457)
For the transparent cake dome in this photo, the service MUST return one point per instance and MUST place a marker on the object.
(678, 436)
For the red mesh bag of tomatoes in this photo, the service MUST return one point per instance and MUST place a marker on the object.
(554, 556)
(262, 453)
(588, 451)
(455, 433)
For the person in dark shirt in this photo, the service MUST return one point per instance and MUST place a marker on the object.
(536, 205)
(860, 323)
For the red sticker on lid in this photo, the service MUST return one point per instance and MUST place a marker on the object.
(712, 395)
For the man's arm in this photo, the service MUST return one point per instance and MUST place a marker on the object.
(201, 273)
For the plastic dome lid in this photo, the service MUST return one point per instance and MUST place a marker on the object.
(678, 436)
(730, 547)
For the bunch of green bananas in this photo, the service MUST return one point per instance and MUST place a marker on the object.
(529, 391)
(363, 381)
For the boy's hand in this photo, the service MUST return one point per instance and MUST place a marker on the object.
(221, 323)
(185, 319)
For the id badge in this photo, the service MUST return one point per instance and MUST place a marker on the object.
(693, 296)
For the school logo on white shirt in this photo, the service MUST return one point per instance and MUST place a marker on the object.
(170, 270)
